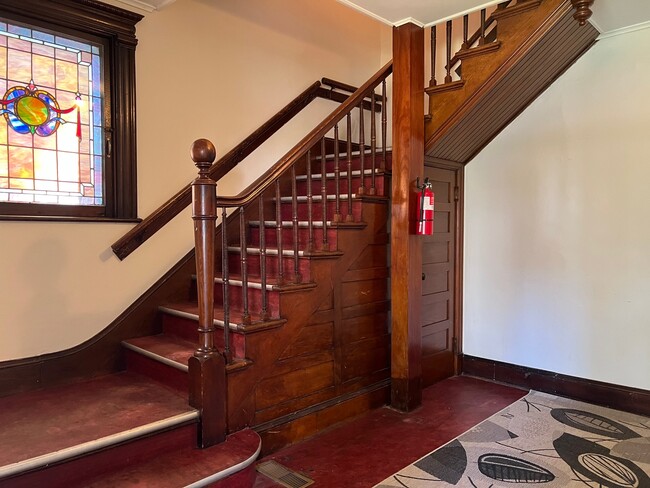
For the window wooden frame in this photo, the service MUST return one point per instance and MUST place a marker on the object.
(115, 29)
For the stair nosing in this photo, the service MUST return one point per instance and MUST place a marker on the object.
(342, 174)
(188, 315)
(95, 445)
(156, 357)
(318, 198)
(228, 471)
(270, 251)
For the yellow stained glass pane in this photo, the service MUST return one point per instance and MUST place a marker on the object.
(84, 169)
(21, 184)
(3, 41)
(4, 182)
(64, 55)
(45, 142)
(66, 100)
(43, 72)
(45, 167)
(66, 76)
(44, 50)
(68, 167)
(84, 145)
(3, 63)
(21, 164)
(19, 66)
(83, 80)
(16, 139)
(46, 185)
(19, 44)
(4, 161)
(67, 137)
(69, 187)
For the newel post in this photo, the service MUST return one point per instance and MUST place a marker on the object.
(207, 368)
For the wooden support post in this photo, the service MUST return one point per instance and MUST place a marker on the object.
(207, 367)
(406, 248)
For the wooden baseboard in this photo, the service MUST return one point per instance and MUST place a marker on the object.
(298, 426)
(609, 395)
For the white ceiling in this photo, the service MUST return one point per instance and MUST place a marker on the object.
(609, 15)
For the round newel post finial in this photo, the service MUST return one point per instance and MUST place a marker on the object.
(203, 154)
(583, 10)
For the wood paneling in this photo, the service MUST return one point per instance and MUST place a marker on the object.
(511, 88)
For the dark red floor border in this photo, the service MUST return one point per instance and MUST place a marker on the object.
(609, 395)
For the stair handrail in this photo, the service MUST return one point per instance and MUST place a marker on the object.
(264, 182)
(136, 236)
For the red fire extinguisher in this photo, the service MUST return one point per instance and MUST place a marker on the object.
(425, 208)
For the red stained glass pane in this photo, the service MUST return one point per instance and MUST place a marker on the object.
(16, 139)
(44, 50)
(19, 44)
(64, 55)
(84, 86)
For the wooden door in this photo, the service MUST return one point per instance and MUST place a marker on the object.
(439, 314)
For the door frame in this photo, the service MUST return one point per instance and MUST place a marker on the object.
(459, 169)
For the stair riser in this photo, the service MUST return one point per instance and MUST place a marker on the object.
(187, 329)
(317, 210)
(316, 185)
(234, 266)
(74, 473)
(235, 299)
(157, 371)
(287, 238)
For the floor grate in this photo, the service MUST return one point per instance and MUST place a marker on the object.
(283, 475)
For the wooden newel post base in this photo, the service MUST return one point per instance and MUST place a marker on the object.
(207, 368)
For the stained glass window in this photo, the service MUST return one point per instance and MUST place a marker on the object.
(51, 132)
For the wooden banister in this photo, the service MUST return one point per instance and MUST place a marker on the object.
(267, 179)
(172, 207)
(337, 85)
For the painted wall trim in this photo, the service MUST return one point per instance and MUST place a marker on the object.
(623, 30)
(365, 12)
(464, 12)
(625, 398)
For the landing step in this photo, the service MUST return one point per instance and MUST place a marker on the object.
(231, 462)
(46, 427)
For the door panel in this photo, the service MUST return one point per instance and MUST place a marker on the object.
(438, 262)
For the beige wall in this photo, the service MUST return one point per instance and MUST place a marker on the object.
(557, 263)
(205, 68)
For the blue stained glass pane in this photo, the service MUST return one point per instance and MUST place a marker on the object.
(21, 31)
(17, 124)
(97, 111)
(98, 141)
(73, 44)
(97, 76)
(3, 27)
(95, 50)
(42, 36)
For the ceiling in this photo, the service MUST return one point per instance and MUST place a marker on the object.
(609, 15)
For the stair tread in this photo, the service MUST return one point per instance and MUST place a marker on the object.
(165, 346)
(305, 224)
(191, 310)
(187, 466)
(82, 417)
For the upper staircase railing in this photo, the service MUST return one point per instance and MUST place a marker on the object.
(277, 185)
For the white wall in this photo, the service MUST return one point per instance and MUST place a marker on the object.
(557, 269)
(236, 64)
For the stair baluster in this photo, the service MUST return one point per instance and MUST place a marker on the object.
(337, 176)
(246, 317)
(278, 232)
(362, 150)
(265, 309)
(373, 145)
(448, 66)
(297, 278)
(384, 120)
(432, 81)
(225, 284)
(323, 192)
(348, 149)
(465, 31)
(310, 210)
(481, 40)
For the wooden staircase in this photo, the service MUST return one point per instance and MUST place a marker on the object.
(292, 298)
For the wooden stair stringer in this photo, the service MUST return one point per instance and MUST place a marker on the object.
(517, 34)
(556, 45)
(242, 384)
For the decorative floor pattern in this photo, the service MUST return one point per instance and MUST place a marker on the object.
(540, 439)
